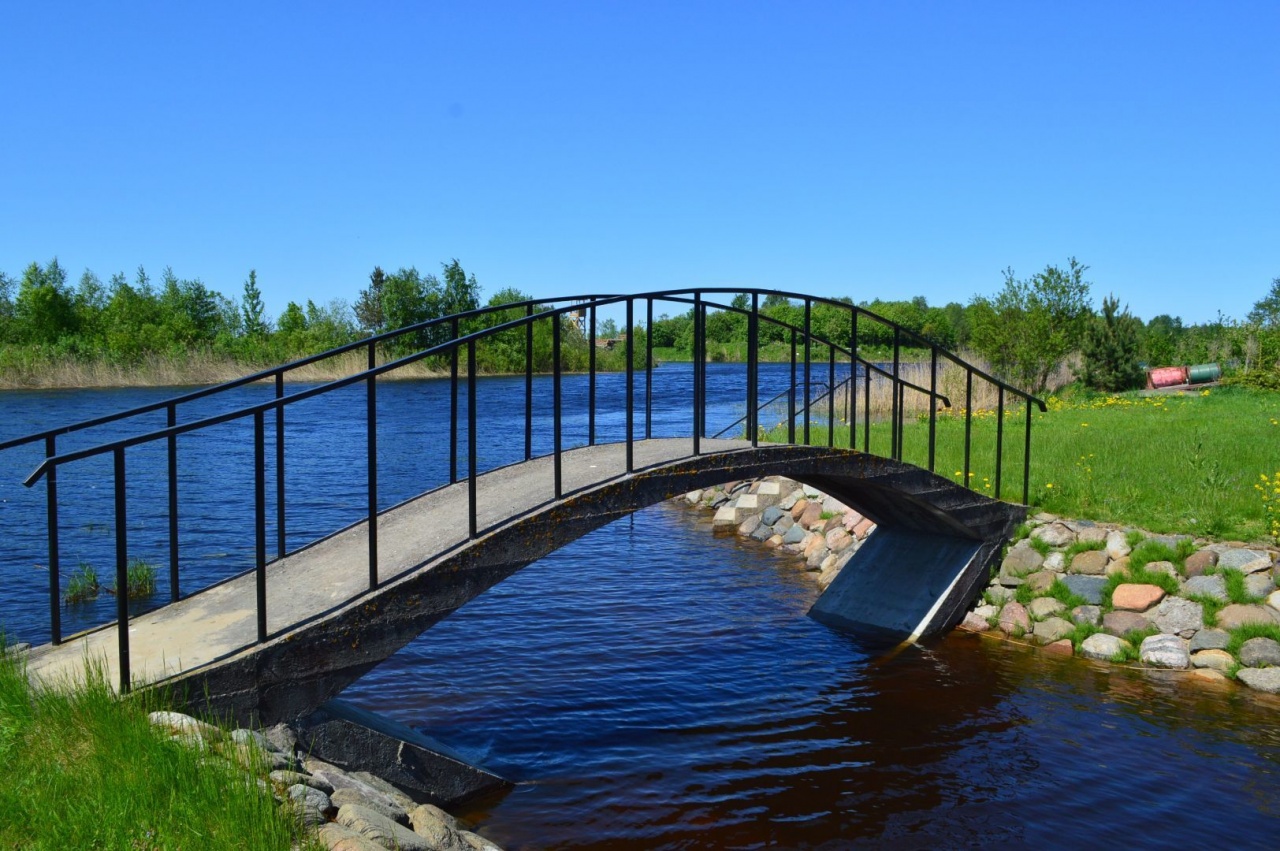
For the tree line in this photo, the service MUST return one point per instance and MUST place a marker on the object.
(1024, 331)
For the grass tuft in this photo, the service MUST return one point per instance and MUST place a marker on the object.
(1083, 547)
(81, 585)
(1041, 546)
(140, 580)
(1060, 592)
(1236, 589)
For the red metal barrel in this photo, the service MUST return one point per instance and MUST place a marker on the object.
(1167, 376)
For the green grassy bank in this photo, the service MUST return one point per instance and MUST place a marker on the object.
(85, 769)
(1186, 464)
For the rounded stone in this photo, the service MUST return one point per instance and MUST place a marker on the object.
(1208, 586)
(1200, 561)
(1014, 619)
(1210, 639)
(1164, 651)
(1260, 653)
(1262, 679)
(1179, 616)
(1102, 647)
(1218, 660)
(1061, 647)
(1238, 614)
(1118, 544)
(1135, 597)
(1090, 562)
(1055, 535)
(1119, 623)
(1087, 615)
(1052, 629)
(1042, 607)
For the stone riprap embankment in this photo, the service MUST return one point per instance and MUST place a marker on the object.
(1076, 588)
(783, 514)
(344, 811)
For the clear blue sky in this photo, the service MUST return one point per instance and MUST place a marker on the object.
(861, 149)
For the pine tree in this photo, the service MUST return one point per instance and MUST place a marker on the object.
(255, 319)
(1110, 350)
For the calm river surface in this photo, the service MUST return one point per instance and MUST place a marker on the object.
(657, 686)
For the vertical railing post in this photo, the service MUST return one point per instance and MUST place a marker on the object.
(371, 446)
(831, 394)
(866, 411)
(902, 418)
(260, 519)
(648, 369)
(791, 393)
(699, 355)
(591, 376)
(51, 522)
(453, 404)
(555, 393)
(933, 405)
(753, 370)
(999, 436)
(968, 423)
(528, 383)
(171, 417)
(631, 390)
(1026, 460)
(808, 357)
(122, 573)
(280, 518)
(853, 380)
(894, 412)
(471, 438)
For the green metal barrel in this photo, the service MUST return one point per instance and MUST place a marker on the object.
(1203, 373)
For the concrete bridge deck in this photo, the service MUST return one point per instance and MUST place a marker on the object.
(218, 622)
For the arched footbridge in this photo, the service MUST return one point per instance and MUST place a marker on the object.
(278, 640)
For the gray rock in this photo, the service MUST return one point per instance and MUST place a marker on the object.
(794, 535)
(1209, 586)
(762, 533)
(1260, 653)
(1052, 629)
(288, 778)
(1120, 623)
(1259, 584)
(1088, 587)
(1088, 534)
(184, 726)
(1055, 561)
(987, 611)
(1040, 581)
(1102, 647)
(1020, 561)
(1055, 534)
(999, 594)
(1042, 607)
(719, 499)
(1245, 561)
(282, 738)
(370, 799)
(1178, 616)
(1262, 679)
(335, 836)
(1168, 568)
(1273, 601)
(784, 524)
(1164, 651)
(1087, 615)
(693, 497)
(312, 805)
(1170, 541)
(379, 828)
(772, 515)
(476, 842)
(438, 827)
(1118, 545)
(1210, 639)
(749, 524)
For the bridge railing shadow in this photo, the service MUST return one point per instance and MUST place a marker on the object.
(832, 395)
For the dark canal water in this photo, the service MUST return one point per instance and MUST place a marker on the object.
(656, 686)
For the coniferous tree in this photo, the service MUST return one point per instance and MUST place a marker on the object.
(1110, 350)
(255, 316)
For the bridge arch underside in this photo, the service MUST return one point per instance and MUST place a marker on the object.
(913, 577)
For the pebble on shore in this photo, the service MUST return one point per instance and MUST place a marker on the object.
(1174, 613)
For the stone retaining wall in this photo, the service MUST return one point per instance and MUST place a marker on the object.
(1072, 587)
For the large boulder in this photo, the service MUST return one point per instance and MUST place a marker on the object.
(1055, 534)
(1136, 597)
(1014, 619)
(1206, 586)
(1090, 562)
(1260, 653)
(1239, 614)
(1262, 679)
(1102, 647)
(1178, 616)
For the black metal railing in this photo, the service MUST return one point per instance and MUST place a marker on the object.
(456, 338)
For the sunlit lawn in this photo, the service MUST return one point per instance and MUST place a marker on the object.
(1164, 463)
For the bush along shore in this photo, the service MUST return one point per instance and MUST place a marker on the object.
(1100, 591)
(341, 810)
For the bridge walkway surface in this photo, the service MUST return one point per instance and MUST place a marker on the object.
(216, 623)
